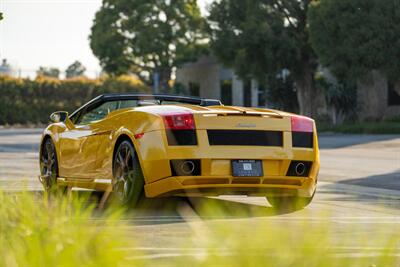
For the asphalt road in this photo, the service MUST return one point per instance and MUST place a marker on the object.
(358, 193)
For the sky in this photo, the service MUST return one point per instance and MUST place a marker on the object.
(51, 33)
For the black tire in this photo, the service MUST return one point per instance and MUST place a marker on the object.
(289, 203)
(128, 179)
(49, 166)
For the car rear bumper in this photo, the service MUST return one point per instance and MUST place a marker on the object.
(155, 155)
(215, 176)
(225, 185)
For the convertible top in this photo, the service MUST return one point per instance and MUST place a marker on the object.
(138, 96)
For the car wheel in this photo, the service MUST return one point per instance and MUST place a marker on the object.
(289, 203)
(128, 179)
(49, 166)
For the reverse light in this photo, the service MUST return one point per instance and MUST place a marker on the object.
(302, 124)
(179, 121)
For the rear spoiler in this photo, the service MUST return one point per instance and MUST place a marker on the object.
(161, 97)
(242, 111)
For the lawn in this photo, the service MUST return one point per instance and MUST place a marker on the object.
(383, 127)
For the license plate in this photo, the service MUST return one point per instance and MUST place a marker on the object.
(247, 168)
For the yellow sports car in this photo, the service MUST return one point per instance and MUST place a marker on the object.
(138, 145)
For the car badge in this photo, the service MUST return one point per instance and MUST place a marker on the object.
(246, 125)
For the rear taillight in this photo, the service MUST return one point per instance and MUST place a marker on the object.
(302, 132)
(302, 124)
(179, 121)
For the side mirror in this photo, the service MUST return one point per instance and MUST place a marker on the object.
(59, 116)
(62, 116)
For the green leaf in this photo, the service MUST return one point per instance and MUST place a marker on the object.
(353, 37)
(147, 36)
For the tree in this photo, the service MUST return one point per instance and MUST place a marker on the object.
(1, 15)
(147, 36)
(259, 37)
(359, 40)
(353, 37)
(76, 69)
(48, 72)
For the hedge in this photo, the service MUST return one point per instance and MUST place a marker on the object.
(26, 101)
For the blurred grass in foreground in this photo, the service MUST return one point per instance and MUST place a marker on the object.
(60, 232)
(71, 232)
(265, 241)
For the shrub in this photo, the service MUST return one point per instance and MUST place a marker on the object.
(24, 101)
(341, 97)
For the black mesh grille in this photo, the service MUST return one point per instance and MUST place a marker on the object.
(300, 139)
(244, 138)
(181, 137)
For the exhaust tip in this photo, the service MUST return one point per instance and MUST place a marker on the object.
(185, 167)
(300, 168)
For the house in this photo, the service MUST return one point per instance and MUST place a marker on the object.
(378, 97)
(5, 68)
(208, 79)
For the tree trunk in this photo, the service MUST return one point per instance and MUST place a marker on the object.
(372, 96)
(304, 87)
(334, 115)
(396, 87)
(165, 76)
(311, 102)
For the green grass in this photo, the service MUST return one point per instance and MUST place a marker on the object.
(70, 232)
(60, 232)
(384, 127)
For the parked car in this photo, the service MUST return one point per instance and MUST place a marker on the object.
(139, 145)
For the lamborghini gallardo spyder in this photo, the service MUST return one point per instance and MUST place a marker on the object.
(146, 146)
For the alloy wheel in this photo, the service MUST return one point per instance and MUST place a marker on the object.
(123, 172)
(48, 165)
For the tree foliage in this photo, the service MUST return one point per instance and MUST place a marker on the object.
(340, 95)
(76, 69)
(352, 37)
(147, 36)
(242, 38)
(259, 37)
(1, 15)
(48, 72)
(281, 93)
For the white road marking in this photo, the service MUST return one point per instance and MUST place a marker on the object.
(365, 255)
(165, 255)
(204, 254)
(225, 250)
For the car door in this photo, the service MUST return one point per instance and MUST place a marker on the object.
(79, 145)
